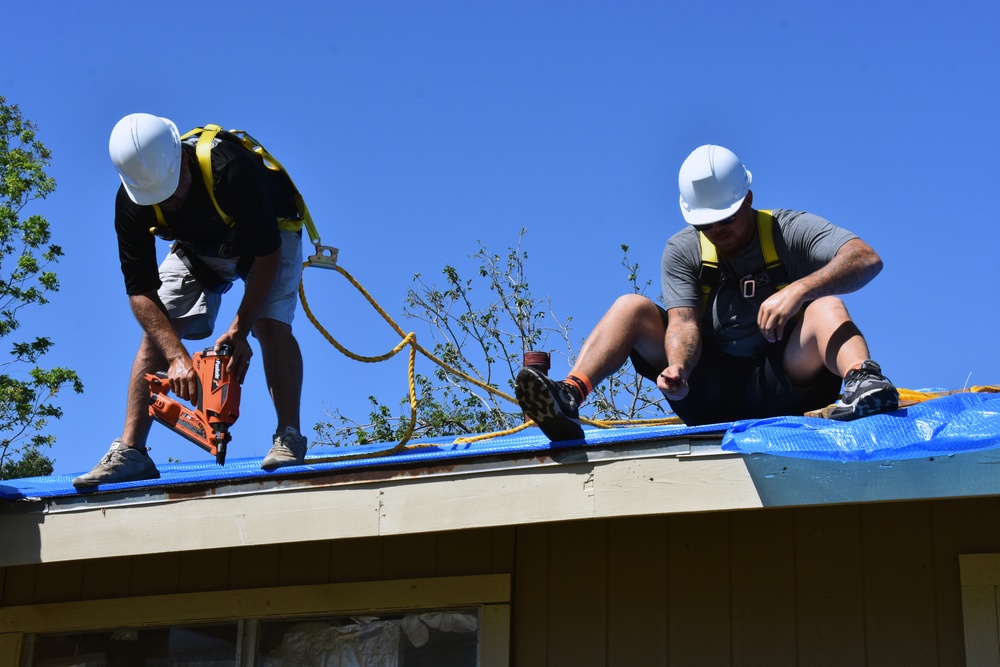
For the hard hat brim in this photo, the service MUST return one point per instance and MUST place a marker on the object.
(153, 195)
(705, 216)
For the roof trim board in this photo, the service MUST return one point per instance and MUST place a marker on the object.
(579, 486)
(518, 479)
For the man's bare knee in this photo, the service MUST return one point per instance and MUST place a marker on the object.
(634, 307)
(829, 307)
(641, 320)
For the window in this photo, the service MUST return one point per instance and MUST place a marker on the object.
(428, 639)
(444, 622)
(201, 645)
(425, 639)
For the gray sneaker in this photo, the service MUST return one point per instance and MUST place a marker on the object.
(866, 392)
(120, 464)
(289, 449)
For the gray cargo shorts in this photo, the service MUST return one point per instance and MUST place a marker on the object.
(185, 297)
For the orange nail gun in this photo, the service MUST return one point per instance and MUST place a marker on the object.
(218, 404)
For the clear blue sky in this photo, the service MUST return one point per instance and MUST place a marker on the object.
(416, 129)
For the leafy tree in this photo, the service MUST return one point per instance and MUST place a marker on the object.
(482, 326)
(26, 390)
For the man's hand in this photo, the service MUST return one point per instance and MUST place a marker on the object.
(854, 265)
(239, 364)
(672, 383)
(777, 311)
(183, 380)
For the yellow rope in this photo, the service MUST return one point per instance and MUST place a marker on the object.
(910, 396)
(906, 396)
(409, 340)
(466, 439)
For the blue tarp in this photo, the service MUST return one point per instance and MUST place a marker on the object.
(426, 451)
(948, 425)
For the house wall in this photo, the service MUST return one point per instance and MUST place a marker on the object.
(841, 585)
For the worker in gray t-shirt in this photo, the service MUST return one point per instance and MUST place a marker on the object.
(751, 325)
(805, 243)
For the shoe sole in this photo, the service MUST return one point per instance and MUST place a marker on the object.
(869, 404)
(536, 400)
(155, 474)
(274, 465)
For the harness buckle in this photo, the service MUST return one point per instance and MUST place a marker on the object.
(748, 286)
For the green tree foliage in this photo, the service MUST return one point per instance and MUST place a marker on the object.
(482, 326)
(26, 389)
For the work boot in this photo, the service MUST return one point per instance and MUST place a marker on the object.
(289, 449)
(553, 406)
(866, 392)
(120, 464)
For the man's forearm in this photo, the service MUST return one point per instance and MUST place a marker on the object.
(682, 342)
(152, 317)
(853, 267)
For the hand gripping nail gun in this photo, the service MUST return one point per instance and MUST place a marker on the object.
(217, 408)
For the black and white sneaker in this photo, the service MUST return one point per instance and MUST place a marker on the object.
(866, 392)
(553, 406)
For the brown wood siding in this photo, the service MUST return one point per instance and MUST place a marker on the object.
(870, 584)
(763, 566)
(829, 601)
(847, 585)
(638, 545)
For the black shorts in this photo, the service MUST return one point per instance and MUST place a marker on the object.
(724, 388)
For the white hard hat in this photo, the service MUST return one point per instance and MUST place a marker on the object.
(146, 151)
(713, 183)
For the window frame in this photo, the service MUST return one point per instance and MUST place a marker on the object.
(489, 593)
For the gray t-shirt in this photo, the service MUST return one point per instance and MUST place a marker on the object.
(804, 243)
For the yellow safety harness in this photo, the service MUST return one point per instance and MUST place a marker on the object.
(203, 150)
(711, 273)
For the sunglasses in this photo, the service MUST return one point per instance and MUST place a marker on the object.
(722, 223)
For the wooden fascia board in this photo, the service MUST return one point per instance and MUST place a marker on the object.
(572, 490)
